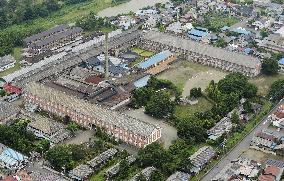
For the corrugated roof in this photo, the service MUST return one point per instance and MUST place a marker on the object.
(207, 50)
(155, 59)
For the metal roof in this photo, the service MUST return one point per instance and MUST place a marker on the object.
(207, 50)
(155, 59)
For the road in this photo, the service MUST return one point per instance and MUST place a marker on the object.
(239, 149)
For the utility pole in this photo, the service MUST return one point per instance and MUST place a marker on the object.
(106, 57)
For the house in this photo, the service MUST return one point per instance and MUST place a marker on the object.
(264, 141)
(223, 126)
(179, 176)
(239, 169)
(270, 173)
(11, 89)
(277, 118)
(46, 128)
(146, 172)
(274, 42)
(200, 158)
(197, 33)
(7, 62)
(175, 27)
(81, 172)
(8, 112)
(261, 24)
(11, 159)
(114, 170)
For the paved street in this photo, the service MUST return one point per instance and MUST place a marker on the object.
(238, 150)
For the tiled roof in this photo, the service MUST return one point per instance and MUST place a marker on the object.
(7, 110)
(114, 118)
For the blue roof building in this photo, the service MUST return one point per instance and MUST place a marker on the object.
(241, 31)
(142, 82)
(197, 33)
(155, 59)
(12, 159)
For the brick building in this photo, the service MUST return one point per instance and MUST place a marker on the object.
(121, 126)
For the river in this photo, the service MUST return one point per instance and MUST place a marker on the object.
(133, 5)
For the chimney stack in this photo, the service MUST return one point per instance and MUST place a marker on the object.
(106, 57)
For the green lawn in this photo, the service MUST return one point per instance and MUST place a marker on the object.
(264, 82)
(188, 110)
(215, 21)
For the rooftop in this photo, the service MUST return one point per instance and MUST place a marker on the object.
(155, 59)
(7, 110)
(114, 118)
(6, 60)
(199, 48)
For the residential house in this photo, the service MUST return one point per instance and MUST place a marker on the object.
(270, 173)
(200, 158)
(264, 141)
(11, 159)
(146, 172)
(223, 126)
(7, 62)
(46, 128)
(179, 176)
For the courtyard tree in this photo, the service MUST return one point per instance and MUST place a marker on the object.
(157, 176)
(270, 66)
(195, 92)
(160, 105)
(235, 118)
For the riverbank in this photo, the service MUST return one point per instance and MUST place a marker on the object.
(131, 6)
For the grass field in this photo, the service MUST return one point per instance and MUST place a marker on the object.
(143, 54)
(188, 110)
(264, 82)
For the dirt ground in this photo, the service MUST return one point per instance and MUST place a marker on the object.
(260, 156)
(187, 75)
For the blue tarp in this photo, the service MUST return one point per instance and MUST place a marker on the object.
(281, 61)
(155, 59)
(142, 82)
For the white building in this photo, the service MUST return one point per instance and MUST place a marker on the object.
(7, 62)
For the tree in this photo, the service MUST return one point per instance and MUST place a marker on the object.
(43, 146)
(235, 118)
(247, 107)
(276, 91)
(264, 33)
(191, 131)
(160, 105)
(270, 66)
(195, 92)
(73, 127)
(156, 176)
(221, 43)
(123, 169)
(141, 177)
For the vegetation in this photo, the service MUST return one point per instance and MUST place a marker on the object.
(17, 137)
(270, 66)
(214, 21)
(26, 18)
(195, 92)
(156, 97)
(276, 91)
